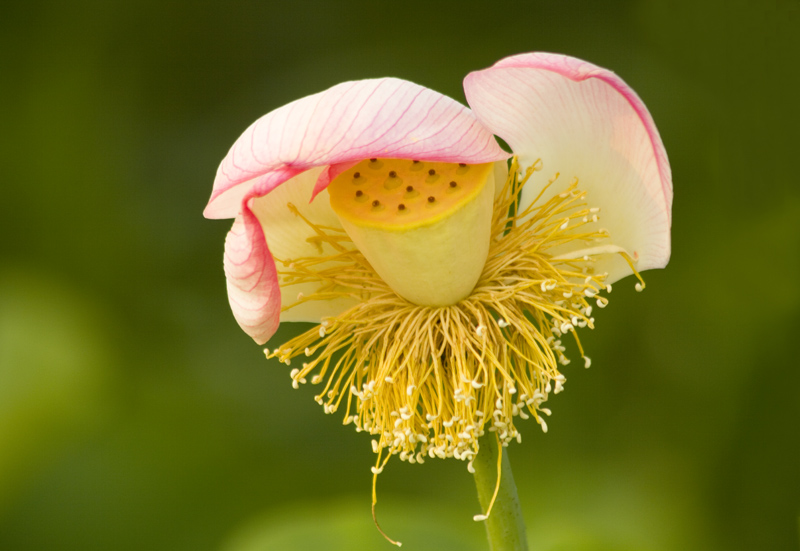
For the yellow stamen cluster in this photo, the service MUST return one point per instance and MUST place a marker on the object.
(429, 381)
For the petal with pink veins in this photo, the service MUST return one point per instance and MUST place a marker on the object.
(251, 278)
(584, 122)
(347, 123)
(350, 122)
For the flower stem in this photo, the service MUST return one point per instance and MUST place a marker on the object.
(505, 526)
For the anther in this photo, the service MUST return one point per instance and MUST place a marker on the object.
(357, 175)
(359, 193)
(410, 188)
(462, 164)
(373, 160)
(376, 203)
(453, 184)
(392, 174)
(432, 172)
(431, 199)
(401, 206)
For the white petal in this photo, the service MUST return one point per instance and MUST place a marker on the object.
(584, 122)
(289, 237)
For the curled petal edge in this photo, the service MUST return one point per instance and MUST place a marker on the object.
(252, 279)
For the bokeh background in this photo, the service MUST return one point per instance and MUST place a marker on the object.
(134, 414)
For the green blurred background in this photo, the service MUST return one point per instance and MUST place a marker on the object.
(134, 414)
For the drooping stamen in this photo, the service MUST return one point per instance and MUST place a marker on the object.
(488, 513)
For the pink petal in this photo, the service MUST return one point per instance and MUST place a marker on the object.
(329, 175)
(584, 121)
(252, 279)
(350, 122)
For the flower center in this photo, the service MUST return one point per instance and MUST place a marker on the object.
(424, 227)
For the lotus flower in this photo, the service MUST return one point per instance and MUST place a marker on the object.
(442, 272)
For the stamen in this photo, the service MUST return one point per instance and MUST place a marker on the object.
(478, 518)
(430, 381)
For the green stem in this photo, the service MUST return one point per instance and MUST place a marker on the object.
(505, 526)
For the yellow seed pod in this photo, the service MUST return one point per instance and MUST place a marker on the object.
(423, 226)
